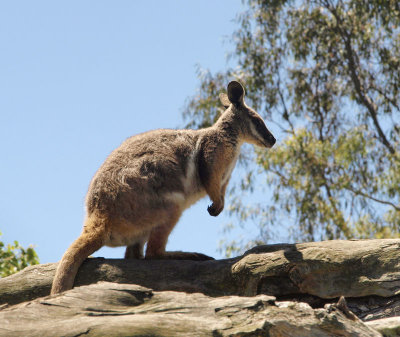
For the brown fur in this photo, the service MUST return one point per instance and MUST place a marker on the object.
(141, 190)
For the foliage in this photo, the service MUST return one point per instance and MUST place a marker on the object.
(325, 74)
(14, 258)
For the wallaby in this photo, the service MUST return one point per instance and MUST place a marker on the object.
(142, 188)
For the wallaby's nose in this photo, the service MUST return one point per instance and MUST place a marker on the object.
(271, 140)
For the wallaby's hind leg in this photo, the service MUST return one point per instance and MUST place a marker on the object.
(135, 251)
(91, 239)
(158, 241)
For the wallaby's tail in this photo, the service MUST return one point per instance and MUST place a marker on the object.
(91, 239)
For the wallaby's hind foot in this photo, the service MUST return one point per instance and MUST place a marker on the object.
(91, 240)
(134, 251)
(181, 256)
(158, 240)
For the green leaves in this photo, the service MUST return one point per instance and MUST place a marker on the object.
(327, 74)
(14, 258)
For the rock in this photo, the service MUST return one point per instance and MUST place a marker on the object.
(308, 278)
(209, 277)
(110, 309)
(326, 270)
(388, 327)
(373, 307)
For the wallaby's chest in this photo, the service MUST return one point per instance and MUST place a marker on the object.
(230, 166)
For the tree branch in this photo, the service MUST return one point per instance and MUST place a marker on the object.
(364, 98)
(390, 100)
(359, 88)
(343, 226)
(365, 195)
(285, 110)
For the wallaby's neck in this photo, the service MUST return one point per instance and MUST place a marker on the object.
(228, 125)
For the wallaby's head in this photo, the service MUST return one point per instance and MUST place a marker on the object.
(252, 126)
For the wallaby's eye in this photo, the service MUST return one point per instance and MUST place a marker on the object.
(260, 131)
(259, 125)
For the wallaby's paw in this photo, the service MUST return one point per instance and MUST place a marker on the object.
(214, 209)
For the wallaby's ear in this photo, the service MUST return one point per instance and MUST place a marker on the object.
(235, 92)
(224, 100)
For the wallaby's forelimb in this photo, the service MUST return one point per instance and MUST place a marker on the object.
(214, 181)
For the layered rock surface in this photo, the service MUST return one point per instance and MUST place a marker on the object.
(272, 290)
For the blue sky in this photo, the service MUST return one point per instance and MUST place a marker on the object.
(79, 77)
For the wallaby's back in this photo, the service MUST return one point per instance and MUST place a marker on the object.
(144, 173)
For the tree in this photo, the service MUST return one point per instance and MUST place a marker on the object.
(14, 258)
(326, 74)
